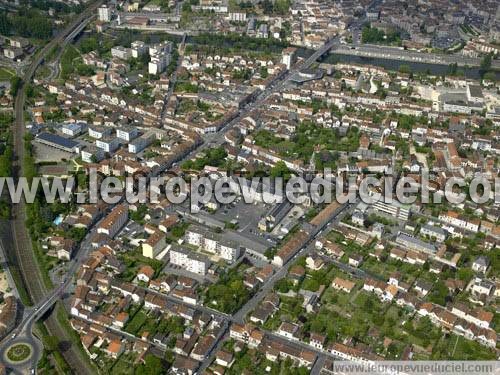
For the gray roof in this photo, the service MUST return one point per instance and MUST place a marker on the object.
(57, 140)
(482, 261)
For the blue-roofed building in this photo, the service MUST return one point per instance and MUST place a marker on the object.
(73, 129)
(56, 141)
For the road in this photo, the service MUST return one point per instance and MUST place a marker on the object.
(24, 252)
(26, 257)
(173, 77)
(269, 284)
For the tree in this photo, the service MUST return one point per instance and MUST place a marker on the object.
(486, 62)
(15, 85)
(152, 366)
(89, 44)
(404, 68)
(280, 170)
(439, 293)
(453, 69)
(281, 6)
(5, 24)
(490, 76)
(32, 24)
(52, 343)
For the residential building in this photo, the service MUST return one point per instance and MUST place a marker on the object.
(191, 261)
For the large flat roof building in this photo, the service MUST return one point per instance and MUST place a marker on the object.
(56, 141)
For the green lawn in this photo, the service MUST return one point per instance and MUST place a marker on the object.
(124, 365)
(135, 324)
(19, 352)
(6, 74)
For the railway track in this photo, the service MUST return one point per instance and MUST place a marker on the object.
(24, 253)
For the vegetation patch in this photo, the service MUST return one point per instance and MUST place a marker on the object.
(19, 352)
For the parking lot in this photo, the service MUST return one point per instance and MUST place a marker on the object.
(45, 153)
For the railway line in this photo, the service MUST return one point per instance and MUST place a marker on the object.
(25, 256)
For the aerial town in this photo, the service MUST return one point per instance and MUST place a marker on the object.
(93, 91)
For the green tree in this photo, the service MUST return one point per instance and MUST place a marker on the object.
(490, 76)
(15, 85)
(486, 62)
(152, 366)
(5, 24)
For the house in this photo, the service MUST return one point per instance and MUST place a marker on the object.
(290, 247)
(115, 349)
(65, 249)
(481, 264)
(243, 333)
(330, 248)
(352, 354)
(390, 293)
(224, 358)
(422, 287)
(436, 267)
(262, 313)
(432, 231)
(454, 285)
(278, 349)
(167, 223)
(344, 285)
(482, 287)
(296, 274)
(250, 281)
(407, 300)
(265, 273)
(358, 218)
(395, 278)
(479, 317)
(397, 253)
(203, 347)
(314, 263)
(184, 365)
(145, 273)
(316, 340)
(289, 330)
(355, 260)
(154, 244)
(121, 319)
(375, 286)
(255, 339)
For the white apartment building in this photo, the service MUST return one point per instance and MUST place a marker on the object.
(192, 262)
(121, 52)
(72, 129)
(211, 242)
(99, 132)
(160, 57)
(138, 48)
(108, 144)
(139, 144)
(457, 220)
(127, 134)
(237, 16)
(104, 13)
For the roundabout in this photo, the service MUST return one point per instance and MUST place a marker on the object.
(18, 353)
